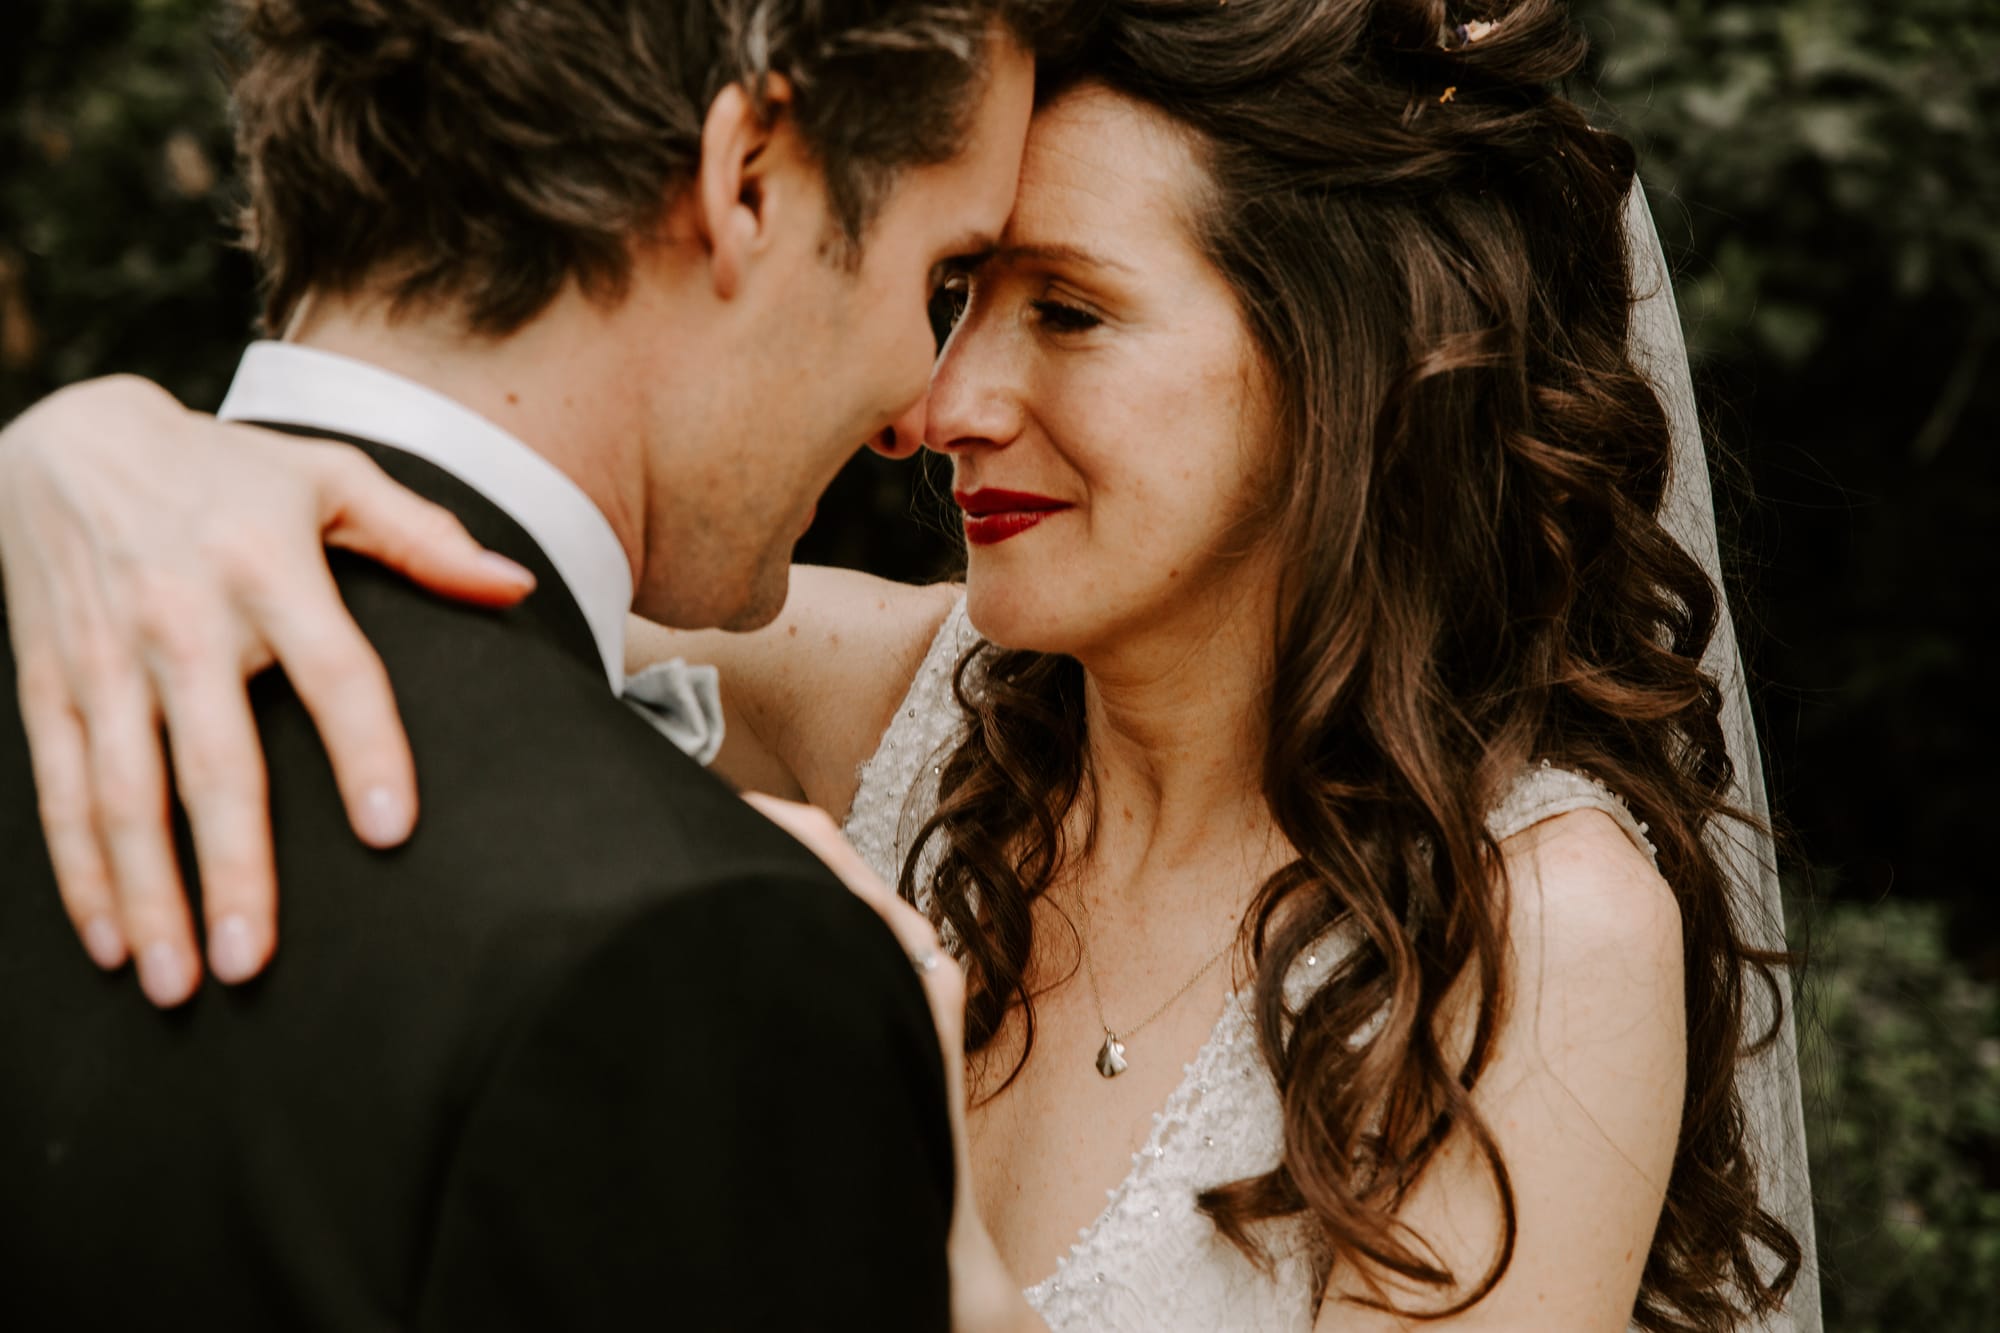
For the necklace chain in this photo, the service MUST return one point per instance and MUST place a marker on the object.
(1111, 1055)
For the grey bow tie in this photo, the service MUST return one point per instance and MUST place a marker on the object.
(684, 704)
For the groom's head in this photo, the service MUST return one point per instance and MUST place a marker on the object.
(753, 194)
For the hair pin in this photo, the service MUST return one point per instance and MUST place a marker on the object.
(1448, 94)
(1465, 34)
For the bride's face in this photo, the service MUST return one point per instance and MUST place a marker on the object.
(1100, 397)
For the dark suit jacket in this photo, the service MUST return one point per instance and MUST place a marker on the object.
(599, 1048)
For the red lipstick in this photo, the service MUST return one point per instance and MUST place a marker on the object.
(993, 515)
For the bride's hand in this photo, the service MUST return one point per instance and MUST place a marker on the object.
(984, 1295)
(153, 560)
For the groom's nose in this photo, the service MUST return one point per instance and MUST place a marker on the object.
(905, 435)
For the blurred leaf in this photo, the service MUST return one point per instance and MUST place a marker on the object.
(114, 142)
(1902, 1047)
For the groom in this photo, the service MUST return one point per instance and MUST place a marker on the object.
(622, 285)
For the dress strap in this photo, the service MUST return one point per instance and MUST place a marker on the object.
(1541, 792)
(1545, 791)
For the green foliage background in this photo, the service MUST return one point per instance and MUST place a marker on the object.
(1825, 175)
(114, 185)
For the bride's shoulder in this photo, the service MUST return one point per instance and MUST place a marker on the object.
(1544, 791)
(1580, 865)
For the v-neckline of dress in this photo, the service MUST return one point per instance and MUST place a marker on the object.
(1197, 1076)
(1211, 1066)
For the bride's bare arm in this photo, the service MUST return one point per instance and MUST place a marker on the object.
(153, 560)
(1583, 1099)
(806, 699)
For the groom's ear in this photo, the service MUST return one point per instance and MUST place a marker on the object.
(747, 177)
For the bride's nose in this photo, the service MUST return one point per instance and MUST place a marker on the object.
(979, 394)
(903, 437)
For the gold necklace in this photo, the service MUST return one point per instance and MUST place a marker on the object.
(1111, 1060)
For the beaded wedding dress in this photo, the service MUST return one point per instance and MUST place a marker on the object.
(1150, 1261)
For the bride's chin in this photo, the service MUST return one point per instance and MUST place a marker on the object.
(1008, 615)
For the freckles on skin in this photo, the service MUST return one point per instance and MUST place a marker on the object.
(1153, 408)
(1145, 412)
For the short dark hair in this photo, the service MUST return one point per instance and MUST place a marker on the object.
(491, 151)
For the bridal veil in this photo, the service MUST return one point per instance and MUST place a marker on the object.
(1768, 1082)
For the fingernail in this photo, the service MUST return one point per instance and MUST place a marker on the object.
(104, 942)
(164, 975)
(233, 954)
(505, 570)
(384, 818)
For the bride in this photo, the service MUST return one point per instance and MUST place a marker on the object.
(1334, 773)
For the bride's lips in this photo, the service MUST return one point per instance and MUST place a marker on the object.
(993, 515)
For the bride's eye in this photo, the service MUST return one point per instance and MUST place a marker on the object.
(1058, 317)
(947, 307)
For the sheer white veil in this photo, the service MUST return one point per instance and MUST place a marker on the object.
(1769, 1083)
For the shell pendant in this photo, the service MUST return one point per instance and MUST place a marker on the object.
(1111, 1056)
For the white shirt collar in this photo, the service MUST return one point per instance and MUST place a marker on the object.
(289, 385)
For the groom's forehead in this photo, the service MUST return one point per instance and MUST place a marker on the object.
(972, 247)
(970, 193)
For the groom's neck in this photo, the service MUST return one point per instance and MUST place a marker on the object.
(559, 385)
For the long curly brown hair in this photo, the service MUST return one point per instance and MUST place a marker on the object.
(1426, 242)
